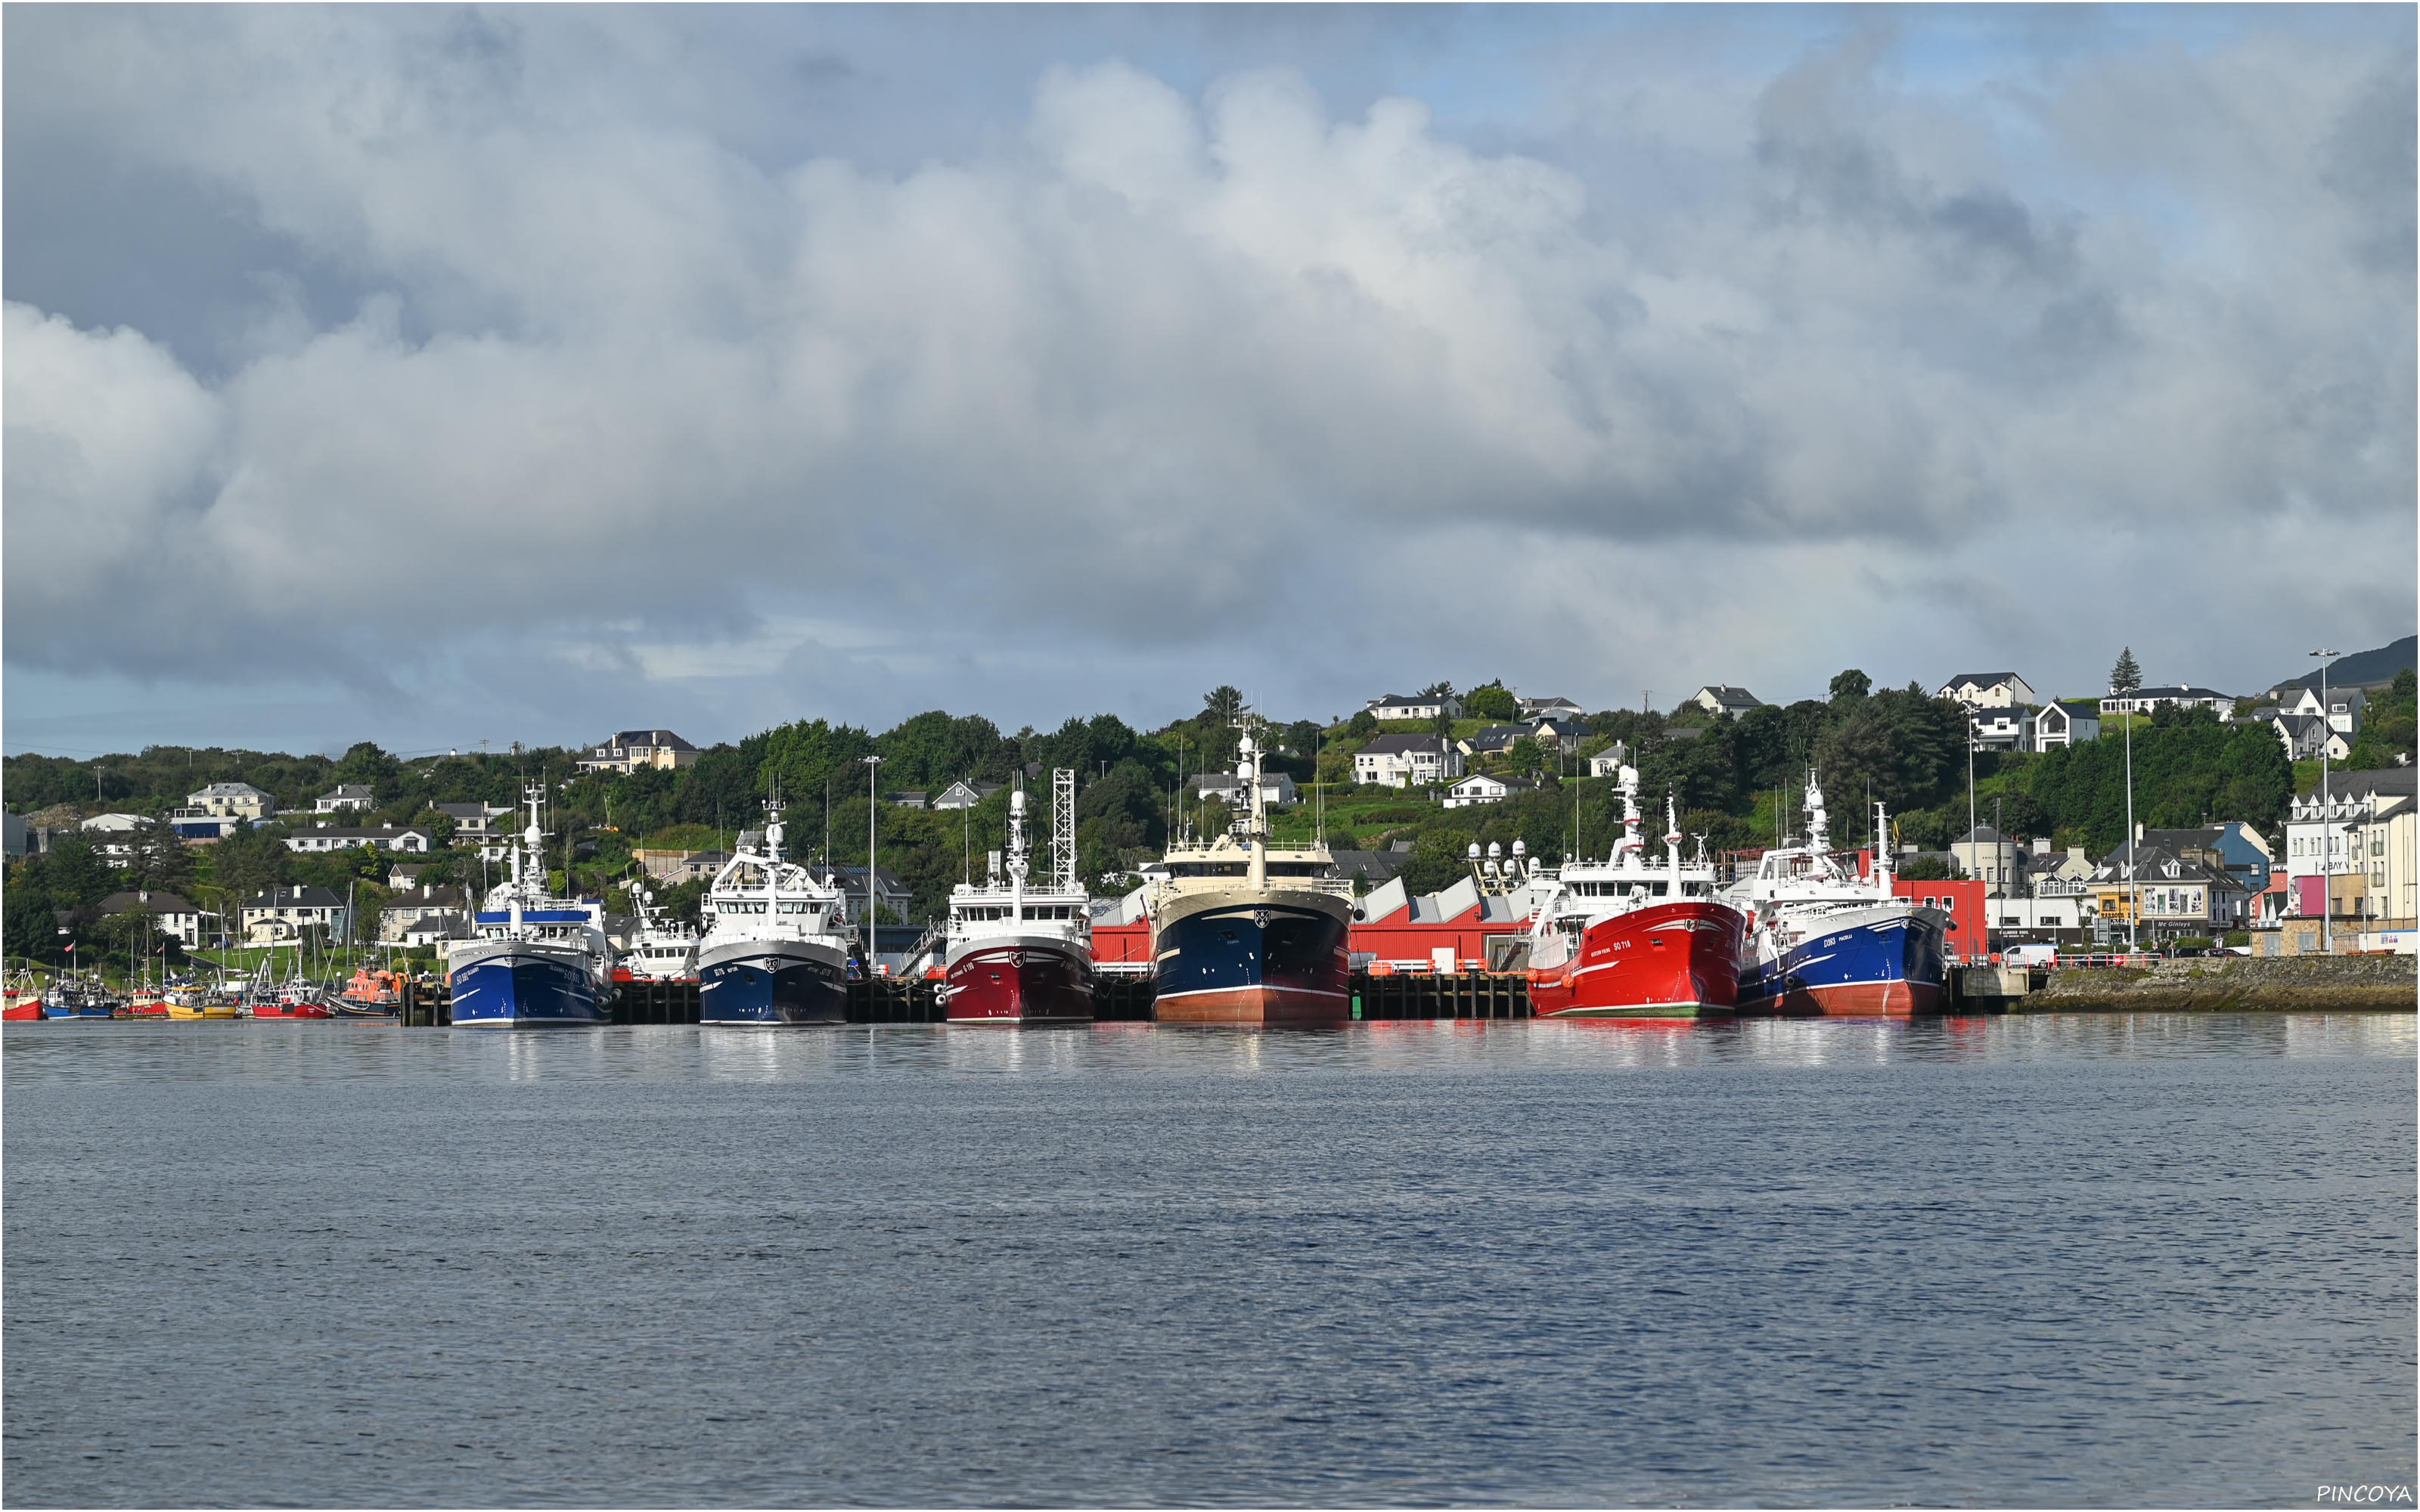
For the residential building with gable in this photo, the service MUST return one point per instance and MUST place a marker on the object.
(412, 840)
(631, 750)
(276, 915)
(1395, 707)
(2066, 723)
(1990, 690)
(1726, 702)
(1406, 761)
(350, 796)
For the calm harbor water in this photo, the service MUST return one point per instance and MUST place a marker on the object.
(2088, 1259)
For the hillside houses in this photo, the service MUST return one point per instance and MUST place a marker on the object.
(1990, 690)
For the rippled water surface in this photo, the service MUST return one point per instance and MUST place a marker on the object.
(2084, 1259)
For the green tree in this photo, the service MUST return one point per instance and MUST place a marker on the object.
(1491, 701)
(77, 875)
(372, 768)
(2387, 727)
(1222, 703)
(1929, 868)
(1437, 690)
(28, 914)
(2127, 676)
(1849, 686)
(1362, 725)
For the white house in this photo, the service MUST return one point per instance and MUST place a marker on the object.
(1392, 707)
(114, 835)
(410, 841)
(2000, 727)
(2144, 699)
(423, 916)
(1404, 761)
(1608, 762)
(279, 914)
(170, 913)
(631, 750)
(1482, 788)
(1278, 789)
(2305, 735)
(2344, 710)
(1724, 700)
(1987, 690)
(351, 796)
(2067, 723)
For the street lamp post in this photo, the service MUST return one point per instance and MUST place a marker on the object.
(2327, 815)
(873, 806)
(2133, 893)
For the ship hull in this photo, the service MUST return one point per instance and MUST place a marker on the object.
(1244, 960)
(772, 982)
(290, 1011)
(1027, 979)
(1665, 961)
(1881, 962)
(505, 985)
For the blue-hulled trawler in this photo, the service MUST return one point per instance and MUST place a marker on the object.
(534, 959)
(1824, 941)
(776, 944)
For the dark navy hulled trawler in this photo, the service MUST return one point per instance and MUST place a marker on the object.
(1824, 940)
(534, 959)
(1245, 934)
(776, 944)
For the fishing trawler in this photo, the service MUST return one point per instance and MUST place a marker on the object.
(1244, 933)
(533, 960)
(1020, 955)
(666, 948)
(1623, 938)
(1824, 941)
(776, 945)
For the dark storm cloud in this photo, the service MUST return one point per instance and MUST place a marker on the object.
(747, 362)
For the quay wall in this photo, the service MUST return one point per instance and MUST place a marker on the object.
(2219, 984)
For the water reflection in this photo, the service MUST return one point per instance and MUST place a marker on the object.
(341, 1052)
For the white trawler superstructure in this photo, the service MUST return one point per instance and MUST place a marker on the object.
(1017, 954)
(666, 948)
(776, 944)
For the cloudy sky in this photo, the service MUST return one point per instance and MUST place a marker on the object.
(435, 374)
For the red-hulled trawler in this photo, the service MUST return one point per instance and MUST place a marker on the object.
(1020, 955)
(1623, 939)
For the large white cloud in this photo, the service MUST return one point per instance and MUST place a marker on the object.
(1224, 375)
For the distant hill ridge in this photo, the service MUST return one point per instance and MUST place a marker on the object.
(2363, 668)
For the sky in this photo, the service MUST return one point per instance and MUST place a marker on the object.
(438, 376)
